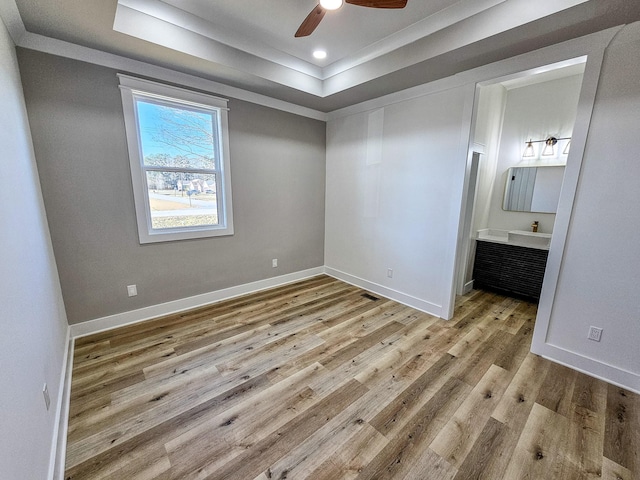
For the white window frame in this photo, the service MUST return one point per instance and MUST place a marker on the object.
(132, 88)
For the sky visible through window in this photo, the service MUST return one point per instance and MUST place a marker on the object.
(154, 118)
(178, 138)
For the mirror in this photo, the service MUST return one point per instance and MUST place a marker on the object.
(533, 189)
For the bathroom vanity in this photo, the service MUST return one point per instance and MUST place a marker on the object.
(511, 261)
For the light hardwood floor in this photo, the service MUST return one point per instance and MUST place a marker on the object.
(318, 380)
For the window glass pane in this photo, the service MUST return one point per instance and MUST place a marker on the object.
(180, 166)
(174, 136)
(179, 200)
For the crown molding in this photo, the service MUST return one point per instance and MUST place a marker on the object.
(549, 58)
(461, 24)
(61, 48)
(11, 18)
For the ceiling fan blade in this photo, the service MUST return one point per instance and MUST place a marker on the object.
(379, 3)
(311, 22)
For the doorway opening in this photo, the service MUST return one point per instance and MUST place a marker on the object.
(513, 183)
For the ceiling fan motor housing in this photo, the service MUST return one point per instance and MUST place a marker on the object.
(313, 19)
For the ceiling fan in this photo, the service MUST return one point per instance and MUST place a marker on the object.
(313, 19)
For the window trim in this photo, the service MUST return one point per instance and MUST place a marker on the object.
(129, 88)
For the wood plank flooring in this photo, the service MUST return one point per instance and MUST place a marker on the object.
(317, 380)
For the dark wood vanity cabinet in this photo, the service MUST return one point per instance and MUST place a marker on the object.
(510, 268)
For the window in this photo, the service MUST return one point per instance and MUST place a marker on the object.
(179, 155)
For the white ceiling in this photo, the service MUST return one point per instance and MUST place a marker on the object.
(267, 28)
(250, 44)
(545, 76)
(261, 34)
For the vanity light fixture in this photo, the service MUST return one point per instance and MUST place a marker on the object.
(549, 146)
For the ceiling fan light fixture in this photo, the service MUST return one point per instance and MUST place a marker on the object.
(311, 22)
(331, 4)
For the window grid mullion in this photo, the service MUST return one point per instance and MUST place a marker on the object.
(201, 171)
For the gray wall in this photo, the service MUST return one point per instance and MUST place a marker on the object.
(278, 182)
(32, 323)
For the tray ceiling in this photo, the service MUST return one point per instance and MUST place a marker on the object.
(370, 52)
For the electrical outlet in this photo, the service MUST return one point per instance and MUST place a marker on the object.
(45, 393)
(274, 262)
(132, 290)
(594, 334)
(390, 272)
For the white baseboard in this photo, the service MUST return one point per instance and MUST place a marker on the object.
(59, 441)
(56, 471)
(467, 287)
(59, 438)
(399, 297)
(602, 371)
(146, 313)
(607, 373)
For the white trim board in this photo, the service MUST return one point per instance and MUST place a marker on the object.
(135, 316)
(395, 295)
(59, 450)
(537, 61)
(466, 142)
(531, 62)
(576, 362)
(59, 446)
(540, 343)
(593, 368)
(461, 23)
(64, 49)
(147, 313)
(11, 18)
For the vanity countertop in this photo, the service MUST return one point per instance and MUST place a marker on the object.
(519, 238)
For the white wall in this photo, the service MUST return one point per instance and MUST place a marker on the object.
(394, 196)
(600, 270)
(532, 112)
(383, 215)
(33, 324)
(490, 114)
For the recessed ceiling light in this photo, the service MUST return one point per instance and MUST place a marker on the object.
(320, 54)
(331, 4)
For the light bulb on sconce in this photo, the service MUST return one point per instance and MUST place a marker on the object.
(549, 147)
(529, 151)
